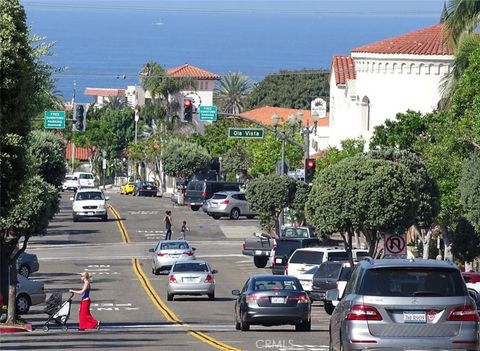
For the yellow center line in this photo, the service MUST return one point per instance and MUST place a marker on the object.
(158, 302)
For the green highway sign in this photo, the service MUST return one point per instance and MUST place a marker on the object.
(208, 113)
(251, 133)
(55, 119)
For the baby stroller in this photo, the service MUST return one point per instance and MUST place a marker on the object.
(58, 311)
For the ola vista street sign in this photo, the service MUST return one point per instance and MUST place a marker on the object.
(251, 133)
(207, 113)
(54, 119)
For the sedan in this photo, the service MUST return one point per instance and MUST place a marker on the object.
(272, 300)
(127, 188)
(167, 252)
(191, 278)
(27, 263)
(145, 189)
(29, 292)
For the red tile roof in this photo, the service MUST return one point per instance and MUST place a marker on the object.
(344, 68)
(426, 41)
(81, 153)
(264, 115)
(187, 70)
(104, 92)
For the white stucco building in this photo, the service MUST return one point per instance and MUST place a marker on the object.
(379, 80)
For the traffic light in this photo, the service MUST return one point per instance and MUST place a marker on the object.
(187, 110)
(309, 170)
(80, 117)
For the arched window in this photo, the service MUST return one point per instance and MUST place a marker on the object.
(387, 66)
(365, 113)
(373, 67)
(412, 68)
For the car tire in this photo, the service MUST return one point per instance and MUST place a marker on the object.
(237, 324)
(75, 218)
(24, 270)
(235, 213)
(330, 343)
(328, 307)
(195, 208)
(105, 218)
(304, 326)
(211, 296)
(244, 326)
(23, 303)
(155, 271)
(250, 217)
(260, 261)
(215, 216)
(169, 297)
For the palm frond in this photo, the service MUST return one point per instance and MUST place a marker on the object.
(463, 17)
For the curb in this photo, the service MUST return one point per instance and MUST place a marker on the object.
(11, 329)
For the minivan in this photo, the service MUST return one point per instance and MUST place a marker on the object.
(200, 190)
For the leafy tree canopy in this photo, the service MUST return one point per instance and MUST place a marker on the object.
(470, 190)
(293, 89)
(236, 160)
(466, 241)
(333, 155)
(183, 158)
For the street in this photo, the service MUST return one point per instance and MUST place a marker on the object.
(131, 302)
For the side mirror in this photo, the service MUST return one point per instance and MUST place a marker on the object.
(107, 198)
(214, 271)
(71, 199)
(332, 295)
(151, 250)
(236, 292)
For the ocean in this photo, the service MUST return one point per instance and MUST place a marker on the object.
(105, 43)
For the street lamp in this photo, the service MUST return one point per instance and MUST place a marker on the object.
(275, 121)
(307, 130)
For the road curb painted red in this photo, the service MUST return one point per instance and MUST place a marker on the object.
(10, 329)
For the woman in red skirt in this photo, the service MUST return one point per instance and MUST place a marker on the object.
(85, 319)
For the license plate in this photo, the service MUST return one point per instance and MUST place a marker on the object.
(90, 213)
(414, 317)
(149, 188)
(277, 300)
(188, 280)
(278, 260)
(258, 252)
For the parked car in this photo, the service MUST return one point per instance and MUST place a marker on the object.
(29, 293)
(85, 179)
(471, 277)
(200, 190)
(70, 183)
(306, 279)
(127, 188)
(167, 252)
(286, 247)
(144, 188)
(418, 304)
(231, 204)
(272, 300)
(89, 202)
(27, 263)
(191, 278)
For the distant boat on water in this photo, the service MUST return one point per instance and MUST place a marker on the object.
(158, 23)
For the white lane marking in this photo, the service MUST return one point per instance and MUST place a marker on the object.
(143, 212)
(126, 257)
(114, 307)
(150, 231)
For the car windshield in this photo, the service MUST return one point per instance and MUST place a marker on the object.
(190, 267)
(276, 284)
(412, 282)
(90, 195)
(328, 270)
(219, 196)
(294, 233)
(196, 186)
(307, 257)
(70, 177)
(174, 245)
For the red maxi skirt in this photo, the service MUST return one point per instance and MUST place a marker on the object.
(85, 319)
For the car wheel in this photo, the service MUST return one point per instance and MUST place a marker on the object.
(211, 296)
(328, 307)
(250, 217)
(304, 326)
(215, 216)
(237, 324)
(330, 344)
(23, 303)
(235, 213)
(105, 218)
(45, 328)
(169, 297)
(260, 261)
(75, 218)
(64, 327)
(244, 326)
(24, 270)
(195, 208)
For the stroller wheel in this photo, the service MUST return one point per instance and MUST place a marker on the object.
(45, 328)
(64, 327)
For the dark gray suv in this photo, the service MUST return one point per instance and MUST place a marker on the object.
(399, 304)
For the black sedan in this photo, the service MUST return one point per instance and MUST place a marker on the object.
(145, 189)
(272, 300)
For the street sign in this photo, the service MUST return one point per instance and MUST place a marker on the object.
(54, 119)
(208, 113)
(250, 133)
(320, 107)
(395, 245)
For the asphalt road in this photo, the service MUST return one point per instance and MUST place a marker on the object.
(131, 302)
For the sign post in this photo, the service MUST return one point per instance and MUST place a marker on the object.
(248, 133)
(54, 119)
(395, 245)
(208, 113)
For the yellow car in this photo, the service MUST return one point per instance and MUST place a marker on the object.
(127, 188)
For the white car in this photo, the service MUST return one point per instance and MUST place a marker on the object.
(89, 203)
(474, 286)
(85, 179)
(306, 279)
(29, 292)
(70, 183)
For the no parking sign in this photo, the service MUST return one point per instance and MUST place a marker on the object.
(395, 245)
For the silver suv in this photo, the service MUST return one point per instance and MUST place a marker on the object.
(399, 304)
(231, 204)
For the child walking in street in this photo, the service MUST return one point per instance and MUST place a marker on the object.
(184, 229)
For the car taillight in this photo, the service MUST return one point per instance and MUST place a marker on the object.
(204, 194)
(463, 314)
(255, 297)
(160, 254)
(300, 298)
(225, 202)
(209, 278)
(189, 253)
(186, 193)
(171, 279)
(363, 313)
(243, 245)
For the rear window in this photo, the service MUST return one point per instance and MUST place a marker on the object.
(190, 267)
(286, 247)
(148, 184)
(328, 270)
(337, 256)
(176, 245)
(307, 257)
(240, 197)
(276, 284)
(197, 186)
(86, 176)
(294, 233)
(231, 187)
(412, 282)
(345, 274)
(219, 196)
(69, 177)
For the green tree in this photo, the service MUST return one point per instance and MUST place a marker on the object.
(463, 17)
(297, 206)
(349, 148)
(470, 190)
(293, 89)
(236, 161)
(215, 138)
(466, 241)
(232, 92)
(182, 158)
(269, 195)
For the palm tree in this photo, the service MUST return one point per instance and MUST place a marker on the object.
(115, 102)
(462, 17)
(233, 89)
